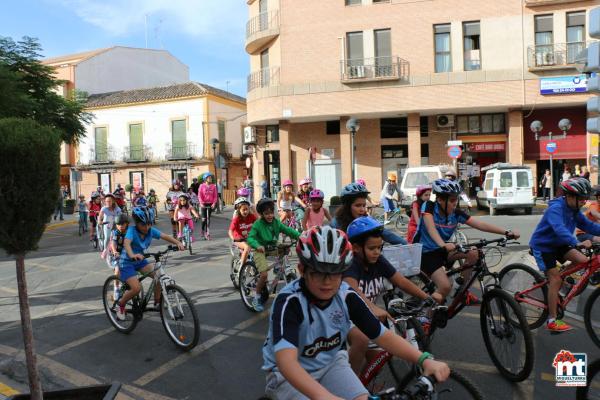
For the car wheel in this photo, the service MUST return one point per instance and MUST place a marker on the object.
(528, 211)
(493, 211)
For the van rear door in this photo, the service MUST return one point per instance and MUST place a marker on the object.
(505, 193)
(524, 183)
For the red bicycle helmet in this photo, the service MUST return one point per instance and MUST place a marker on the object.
(422, 189)
(287, 182)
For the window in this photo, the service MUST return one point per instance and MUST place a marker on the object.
(353, 2)
(424, 150)
(424, 126)
(264, 68)
(480, 123)
(522, 179)
(272, 133)
(383, 52)
(544, 40)
(396, 151)
(414, 179)
(354, 49)
(136, 179)
(222, 137)
(575, 35)
(489, 181)
(381, 1)
(333, 127)
(472, 46)
(264, 16)
(179, 138)
(505, 179)
(136, 142)
(443, 59)
(394, 128)
(101, 144)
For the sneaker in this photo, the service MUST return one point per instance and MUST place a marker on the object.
(472, 300)
(387, 221)
(121, 313)
(257, 304)
(558, 326)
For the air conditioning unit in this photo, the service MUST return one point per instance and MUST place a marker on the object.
(445, 121)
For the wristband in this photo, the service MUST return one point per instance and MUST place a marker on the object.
(424, 357)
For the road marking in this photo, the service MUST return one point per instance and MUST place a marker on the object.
(78, 342)
(6, 390)
(252, 335)
(474, 367)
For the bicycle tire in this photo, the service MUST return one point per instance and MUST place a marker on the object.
(95, 242)
(512, 284)
(177, 337)
(456, 387)
(235, 280)
(583, 392)
(188, 239)
(81, 231)
(401, 224)
(247, 285)
(593, 331)
(126, 326)
(508, 331)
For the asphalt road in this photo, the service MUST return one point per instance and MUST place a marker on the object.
(77, 346)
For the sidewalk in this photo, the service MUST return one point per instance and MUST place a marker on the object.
(68, 219)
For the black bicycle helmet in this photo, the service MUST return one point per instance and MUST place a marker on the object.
(122, 219)
(264, 204)
(578, 186)
(445, 187)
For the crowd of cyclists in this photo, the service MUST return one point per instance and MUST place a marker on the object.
(341, 265)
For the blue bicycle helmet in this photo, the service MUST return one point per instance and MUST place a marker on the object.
(361, 227)
(206, 175)
(142, 215)
(354, 189)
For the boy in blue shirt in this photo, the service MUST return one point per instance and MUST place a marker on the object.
(554, 240)
(137, 239)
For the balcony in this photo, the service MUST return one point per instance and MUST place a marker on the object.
(554, 56)
(133, 154)
(183, 151)
(375, 69)
(540, 3)
(261, 29)
(102, 156)
(263, 78)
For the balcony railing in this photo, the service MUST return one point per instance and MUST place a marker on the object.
(136, 154)
(260, 29)
(555, 55)
(376, 68)
(536, 3)
(180, 151)
(263, 78)
(102, 156)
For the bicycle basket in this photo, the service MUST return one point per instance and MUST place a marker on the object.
(405, 258)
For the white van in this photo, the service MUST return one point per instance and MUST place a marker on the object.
(506, 186)
(415, 176)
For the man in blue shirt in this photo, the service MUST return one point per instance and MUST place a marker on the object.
(554, 240)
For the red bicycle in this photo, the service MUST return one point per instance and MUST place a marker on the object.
(530, 290)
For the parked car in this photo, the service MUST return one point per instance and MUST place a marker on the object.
(506, 186)
(415, 176)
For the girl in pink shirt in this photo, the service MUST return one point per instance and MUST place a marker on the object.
(183, 214)
(207, 194)
(315, 213)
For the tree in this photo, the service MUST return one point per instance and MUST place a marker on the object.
(27, 90)
(20, 232)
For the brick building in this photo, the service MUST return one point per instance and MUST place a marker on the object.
(416, 74)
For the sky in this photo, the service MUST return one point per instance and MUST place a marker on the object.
(206, 35)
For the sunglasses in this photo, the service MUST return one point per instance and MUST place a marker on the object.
(322, 276)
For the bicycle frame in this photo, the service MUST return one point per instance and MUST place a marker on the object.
(591, 266)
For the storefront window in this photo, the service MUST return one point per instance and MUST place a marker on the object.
(506, 179)
(522, 179)
(480, 123)
(474, 124)
(486, 123)
(499, 123)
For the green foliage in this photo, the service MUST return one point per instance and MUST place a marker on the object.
(27, 90)
(30, 153)
(335, 201)
(129, 188)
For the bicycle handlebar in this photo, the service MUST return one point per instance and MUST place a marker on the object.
(159, 254)
(502, 242)
(423, 386)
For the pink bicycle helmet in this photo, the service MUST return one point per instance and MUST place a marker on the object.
(287, 182)
(316, 194)
(361, 181)
(422, 189)
(305, 181)
(243, 192)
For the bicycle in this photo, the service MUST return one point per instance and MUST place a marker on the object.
(398, 216)
(187, 236)
(501, 318)
(293, 223)
(100, 236)
(177, 311)
(82, 222)
(419, 387)
(249, 275)
(234, 272)
(593, 380)
(530, 289)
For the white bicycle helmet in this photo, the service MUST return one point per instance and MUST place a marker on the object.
(446, 187)
(325, 249)
(240, 200)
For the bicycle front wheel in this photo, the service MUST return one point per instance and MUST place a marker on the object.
(402, 224)
(506, 335)
(591, 316)
(248, 279)
(456, 387)
(179, 317)
(516, 278)
(112, 291)
(188, 239)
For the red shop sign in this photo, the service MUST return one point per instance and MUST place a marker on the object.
(488, 147)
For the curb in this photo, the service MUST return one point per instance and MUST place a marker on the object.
(6, 391)
(60, 224)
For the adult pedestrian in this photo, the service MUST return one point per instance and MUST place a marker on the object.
(264, 187)
(585, 173)
(566, 175)
(220, 202)
(250, 186)
(195, 186)
(59, 204)
(546, 184)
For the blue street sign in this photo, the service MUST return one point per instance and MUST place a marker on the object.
(551, 147)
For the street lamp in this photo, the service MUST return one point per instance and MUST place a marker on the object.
(536, 127)
(352, 126)
(214, 142)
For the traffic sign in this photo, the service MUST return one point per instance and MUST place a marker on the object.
(551, 147)
(454, 151)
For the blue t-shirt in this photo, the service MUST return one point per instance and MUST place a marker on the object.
(139, 245)
(444, 225)
(141, 202)
(370, 277)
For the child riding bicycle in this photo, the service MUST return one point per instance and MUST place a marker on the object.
(94, 207)
(310, 321)
(553, 240)
(315, 212)
(285, 200)
(240, 227)
(263, 238)
(117, 238)
(137, 239)
(183, 214)
(83, 210)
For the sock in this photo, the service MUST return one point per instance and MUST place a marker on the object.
(551, 320)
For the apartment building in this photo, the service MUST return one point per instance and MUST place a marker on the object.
(416, 74)
(149, 137)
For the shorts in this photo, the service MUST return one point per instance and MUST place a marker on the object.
(433, 260)
(93, 220)
(546, 261)
(338, 378)
(130, 268)
(388, 205)
(260, 259)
